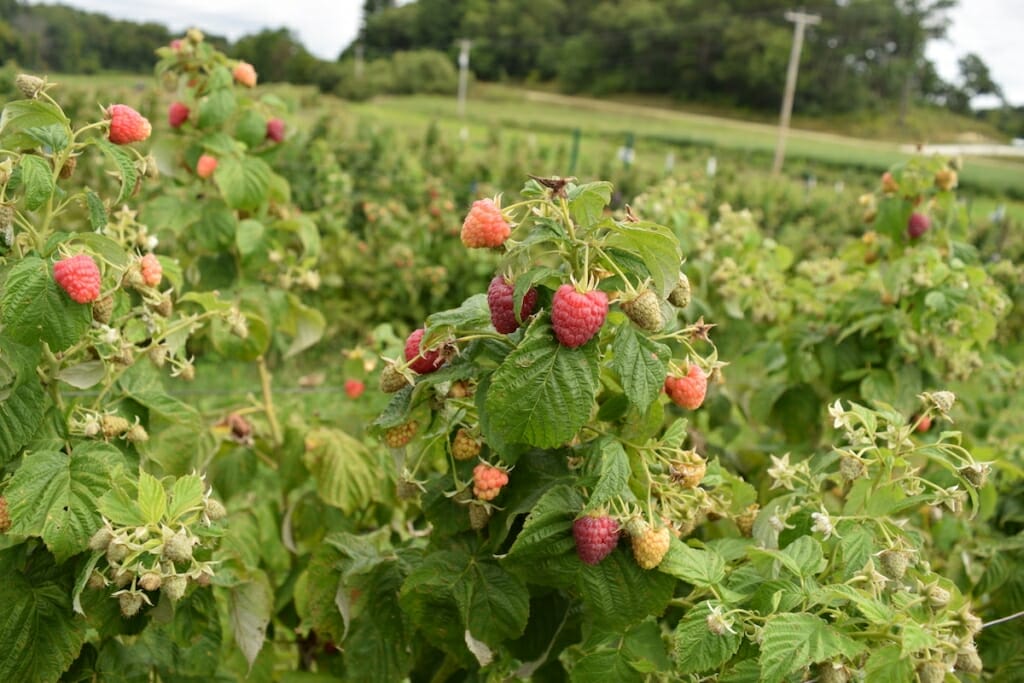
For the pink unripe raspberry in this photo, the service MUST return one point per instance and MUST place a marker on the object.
(484, 226)
(500, 299)
(354, 388)
(917, 225)
(176, 45)
(688, 391)
(422, 363)
(596, 537)
(177, 114)
(577, 316)
(127, 125)
(151, 270)
(275, 130)
(79, 276)
(245, 74)
(488, 481)
(206, 166)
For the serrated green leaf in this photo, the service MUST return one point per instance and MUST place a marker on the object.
(125, 166)
(244, 182)
(618, 593)
(547, 531)
(22, 399)
(217, 108)
(656, 246)
(186, 496)
(886, 665)
(697, 648)
(249, 236)
(613, 475)
(37, 179)
(587, 202)
(343, 469)
(251, 128)
(250, 606)
(543, 392)
(39, 634)
(33, 307)
(304, 323)
(494, 604)
(152, 498)
(55, 496)
(97, 211)
(703, 568)
(472, 313)
(792, 641)
(604, 665)
(875, 611)
(641, 364)
(377, 649)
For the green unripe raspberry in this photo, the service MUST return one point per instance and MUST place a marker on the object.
(680, 296)
(174, 587)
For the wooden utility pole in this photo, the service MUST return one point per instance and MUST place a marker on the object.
(464, 46)
(801, 20)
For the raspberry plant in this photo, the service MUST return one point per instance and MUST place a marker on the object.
(89, 329)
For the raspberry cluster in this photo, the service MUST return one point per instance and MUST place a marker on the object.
(79, 276)
(577, 316)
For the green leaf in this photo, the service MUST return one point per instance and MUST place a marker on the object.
(613, 475)
(377, 647)
(37, 179)
(697, 648)
(587, 202)
(343, 469)
(473, 312)
(249, 236)
(120, 505)
(427, 599)
(22, 399)
(656, 246)
(618, 593)
(792, 641)
(887, 665)
(243, 183)
(876, 611)
(21, 117)
(39, 634)
(216, 109)
(304, 323)
(604, 665)
(803, 556)
(83, 375)
(703, 568)
(641, 365)
(251, 128)
(35, 308)
(250, 606)
(55, 496)
(494, 605)
(97, 211)
(186, 496)
(152, 498)
(543, 392)
(547, 531)
(126, 168)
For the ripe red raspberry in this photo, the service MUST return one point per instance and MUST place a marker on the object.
(925, 423)
(577, 316)
(500, 298)
(151, 270)
(488, 480)
(889, 184)
(422, 363)
(245, 73)
(275, 130)
(485, 226)
(79, 277)
(688, 391)
(917, 225)
(206, 166)
(177, 114)
(127, 125)
(596, 537)
(354, 388)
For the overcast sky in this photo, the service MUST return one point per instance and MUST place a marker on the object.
(992, 28)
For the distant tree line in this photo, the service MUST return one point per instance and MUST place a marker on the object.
(865, 53)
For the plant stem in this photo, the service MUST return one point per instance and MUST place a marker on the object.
(268, 402)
